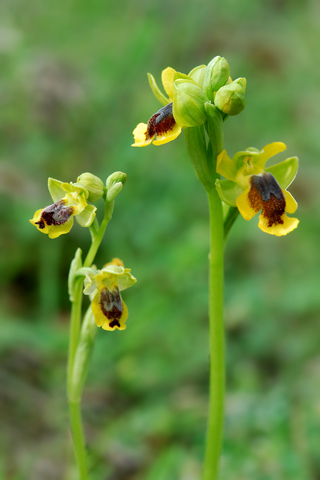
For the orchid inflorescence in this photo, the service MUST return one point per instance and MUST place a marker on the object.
(208, 95)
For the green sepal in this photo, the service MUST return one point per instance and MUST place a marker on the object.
(75, 265)
(216, 75)
(197, 74)
(197, 150)
(228, 191)
(156, 90)
(87, 216)
(55, 189)
(188, 103)
(285, 171)
(113, 192)
(230, 99)
(183, 76)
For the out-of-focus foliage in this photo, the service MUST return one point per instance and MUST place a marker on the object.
(73, 85)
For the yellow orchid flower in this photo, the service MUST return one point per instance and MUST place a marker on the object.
(252, 188)
(161, 127)
(109, 310)
(70, 201)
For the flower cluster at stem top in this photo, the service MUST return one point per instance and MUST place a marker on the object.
(187, 95)
(200, 102)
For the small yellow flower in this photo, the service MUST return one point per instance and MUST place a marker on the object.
(109, 310)
(70, 200)
(252, 188)
(161, 127)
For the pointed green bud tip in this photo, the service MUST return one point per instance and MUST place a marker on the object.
(197, 74)
(230, 99)
(114, 184)
(188, 103)
(93, 184)
(216, 75)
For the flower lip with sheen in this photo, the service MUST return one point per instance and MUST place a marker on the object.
(109, 310)
(252, 188)
(70, 200)
(161, 127)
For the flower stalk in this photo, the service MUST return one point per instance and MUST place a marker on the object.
(199, 103)
(107, 307)
(216, 339)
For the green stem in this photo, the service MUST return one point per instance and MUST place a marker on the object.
(97, 236)
(78, 439)
(217, 347)
(216, 325)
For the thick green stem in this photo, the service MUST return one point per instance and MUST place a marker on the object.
(216, 326)
(75, 388)
(78, 439)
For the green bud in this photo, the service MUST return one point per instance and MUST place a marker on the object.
(230, 99)
(216, 75)
(188, 103)
(114, 184)
(197, 74)
(93, 184)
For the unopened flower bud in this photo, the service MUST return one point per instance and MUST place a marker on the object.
(197, 74)
(188, 103)
(114, 184)
(230, 99)
(93, 184)
(216, 75)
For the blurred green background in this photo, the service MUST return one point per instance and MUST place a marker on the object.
(73, 85)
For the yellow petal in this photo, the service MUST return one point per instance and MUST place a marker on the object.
(280, 229)
(139, 134)
(291, 204)
(167, 81)
(55, 231)
(168, 136)
(99, 317)
(244, 205)
(226, 166)
(269, 151)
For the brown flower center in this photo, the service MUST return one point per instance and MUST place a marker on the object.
(161, 122)
(55, 214)
(266, 195)
(111, 305)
